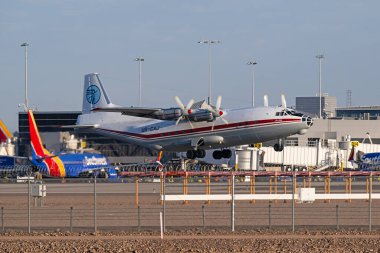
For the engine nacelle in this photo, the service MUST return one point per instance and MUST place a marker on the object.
(201, 115)
(207, 141)
(202, 143)
(169, 114)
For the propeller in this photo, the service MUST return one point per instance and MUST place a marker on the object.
(266, 101)
(283, 101)
(217, 113)
(185, 111)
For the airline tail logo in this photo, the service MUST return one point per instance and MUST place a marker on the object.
(4, 133)
(93, 94)
(40, 156)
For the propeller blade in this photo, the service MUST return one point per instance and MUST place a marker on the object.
(225, 121)
(178, 120)
(283, 101)
(192, 127)
(209, 107)
(190, 104)
(218, 103)
(266, 101)
(179, 103)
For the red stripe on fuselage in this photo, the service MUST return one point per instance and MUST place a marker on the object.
(177, 133)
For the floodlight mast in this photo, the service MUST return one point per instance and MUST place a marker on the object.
(209, 42)
(26, 45)
(320, 57)
(253, 63)
(140, 60)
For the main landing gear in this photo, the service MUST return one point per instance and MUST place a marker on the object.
(278, 147)
(219, 154)
(201, 153)
(192, 154)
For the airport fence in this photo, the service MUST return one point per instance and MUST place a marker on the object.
(135, 203)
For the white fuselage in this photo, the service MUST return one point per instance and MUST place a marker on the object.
(245, 126)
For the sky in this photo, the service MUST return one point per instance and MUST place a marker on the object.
(70, 38)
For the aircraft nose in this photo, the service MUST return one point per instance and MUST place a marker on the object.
(308, 120)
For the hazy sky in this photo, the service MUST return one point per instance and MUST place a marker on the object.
(71, 38)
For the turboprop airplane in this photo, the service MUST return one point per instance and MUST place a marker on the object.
(64, 165)
(192, 128)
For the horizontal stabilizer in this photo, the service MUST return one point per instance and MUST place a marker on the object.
(42, 158)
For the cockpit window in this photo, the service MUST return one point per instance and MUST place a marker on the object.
(279, 113)
(289, 112)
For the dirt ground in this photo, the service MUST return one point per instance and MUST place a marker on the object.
(194, 241)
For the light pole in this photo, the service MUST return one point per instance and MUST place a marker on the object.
(320, 57)
(253, 63)
(25, 45)
(209, 42)
(140, 60)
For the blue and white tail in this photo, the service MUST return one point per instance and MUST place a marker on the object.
(94, 94)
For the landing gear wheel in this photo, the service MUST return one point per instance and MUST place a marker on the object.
(217, 155)
(226, 153)
(190, 154)
(200, 153)
(278, 147)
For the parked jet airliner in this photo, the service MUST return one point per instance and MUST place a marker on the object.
(64, 165)
(192, 128)
(365, 161)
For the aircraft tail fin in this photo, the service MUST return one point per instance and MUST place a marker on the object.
(41, 157)
(355, 157)
(351, 157)
(159, 156)
(4, 133)
(38, 149)
(94, 94)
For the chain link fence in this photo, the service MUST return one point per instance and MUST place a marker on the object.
(135, 202)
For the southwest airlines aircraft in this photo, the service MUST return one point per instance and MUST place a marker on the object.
(4, 132)
(64, 165)
(192, 128)
(365, 161)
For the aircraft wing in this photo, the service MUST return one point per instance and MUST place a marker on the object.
(80, 126)
(132, 111)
